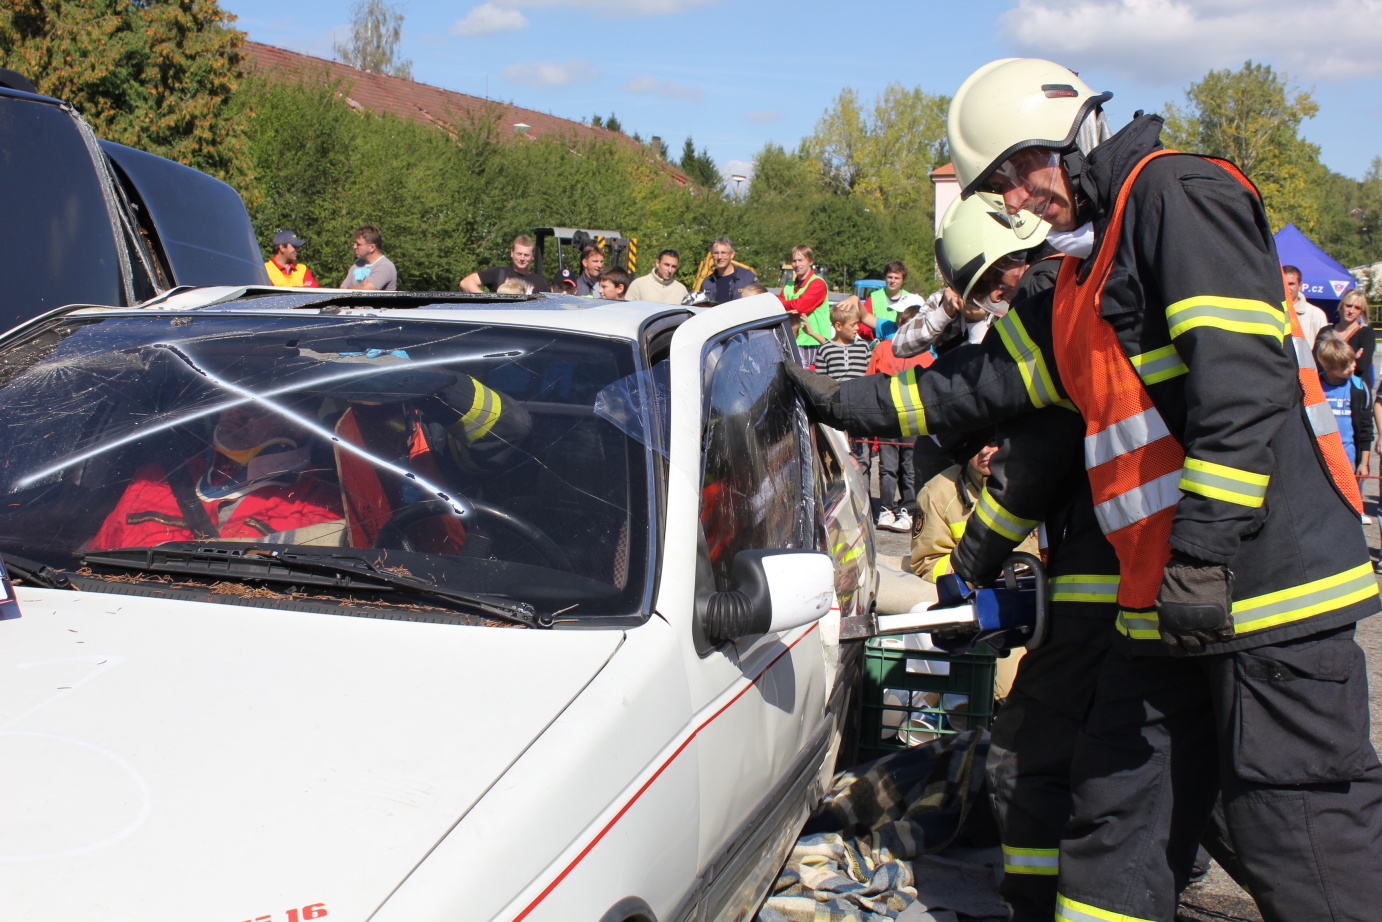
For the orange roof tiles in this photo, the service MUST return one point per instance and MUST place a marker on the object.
(426, 104)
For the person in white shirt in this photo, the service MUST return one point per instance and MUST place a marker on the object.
(1311, 318)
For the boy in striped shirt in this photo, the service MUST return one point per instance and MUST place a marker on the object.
(844, 358)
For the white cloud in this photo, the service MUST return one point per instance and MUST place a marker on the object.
(489, 19)
(647, 83)
(1169, 41)
(763, 117)
(550, 73)
(609, 8)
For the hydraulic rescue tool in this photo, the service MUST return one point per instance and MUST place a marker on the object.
(1008, 613)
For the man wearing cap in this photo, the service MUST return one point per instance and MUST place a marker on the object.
(1219, 481)
(284, 269)
(564, 283)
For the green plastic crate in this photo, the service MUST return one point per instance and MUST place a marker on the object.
(901, 708)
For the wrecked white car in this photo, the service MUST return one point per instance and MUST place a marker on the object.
(413, 607)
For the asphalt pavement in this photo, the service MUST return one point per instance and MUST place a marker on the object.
(1217, 898)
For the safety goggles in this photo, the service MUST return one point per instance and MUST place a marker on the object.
(1012, 181)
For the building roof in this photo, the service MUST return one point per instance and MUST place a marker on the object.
(428, 105)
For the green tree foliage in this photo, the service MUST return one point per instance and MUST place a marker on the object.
(883, 152)
(700, 168)
(1252, 117)
(376, 26)
(776, 212)
(1368, 214)
(449, 203)
(159, 75)
(857, 190)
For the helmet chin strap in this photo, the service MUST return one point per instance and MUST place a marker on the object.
(1076, 169)
(1092, 132)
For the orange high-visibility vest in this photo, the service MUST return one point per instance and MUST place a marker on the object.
(1134, 462)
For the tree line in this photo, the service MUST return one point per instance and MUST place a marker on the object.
(168, 76)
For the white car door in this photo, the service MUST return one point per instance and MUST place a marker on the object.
(741, 478)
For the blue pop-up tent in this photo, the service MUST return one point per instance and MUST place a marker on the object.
(1323, 281)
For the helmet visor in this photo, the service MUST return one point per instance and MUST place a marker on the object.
(1030, 180)
(1023, 224)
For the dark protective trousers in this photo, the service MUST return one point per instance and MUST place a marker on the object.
(896, 486)
(1032, 744)
(1280, 732)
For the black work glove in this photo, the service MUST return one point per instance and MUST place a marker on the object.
(1194, 605)
(821, 392)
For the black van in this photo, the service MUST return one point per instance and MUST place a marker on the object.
(87, 221)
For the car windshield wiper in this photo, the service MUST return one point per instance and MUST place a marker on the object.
(35, 573)
(336, 571)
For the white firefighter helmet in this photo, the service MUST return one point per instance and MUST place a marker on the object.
(978, 231)
(1011, 104)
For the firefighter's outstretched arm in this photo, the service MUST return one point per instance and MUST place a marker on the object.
(487, 429)
(1009, 374)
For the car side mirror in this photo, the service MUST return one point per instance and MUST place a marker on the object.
(773, 591)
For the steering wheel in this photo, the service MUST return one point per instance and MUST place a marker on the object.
(394, 532)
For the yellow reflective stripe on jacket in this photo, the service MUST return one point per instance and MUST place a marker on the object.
(1275, 608)
(957, 529)
(1041, 389)
(940, 567)
(1313, 598)
(1158, 365)
(1219, 481)
(483, 413)
(911, 415)
(1068, 910)
(992, 514)
(1085, 587)
(1139, 625)
(1043, 861)
(1237, 315)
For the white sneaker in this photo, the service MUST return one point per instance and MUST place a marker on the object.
(886, 521)
(902, 521)
(1367, 520)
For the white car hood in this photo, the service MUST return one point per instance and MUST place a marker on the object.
(175, 760)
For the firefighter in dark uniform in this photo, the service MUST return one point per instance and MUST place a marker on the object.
(1037, 476)
(1219, 481)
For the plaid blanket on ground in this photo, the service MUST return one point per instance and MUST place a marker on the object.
(863, 856)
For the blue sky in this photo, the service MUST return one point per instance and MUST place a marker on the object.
(735, 75)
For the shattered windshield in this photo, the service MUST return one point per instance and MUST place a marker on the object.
(465, 455)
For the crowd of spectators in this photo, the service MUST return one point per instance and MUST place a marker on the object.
(889, 330)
